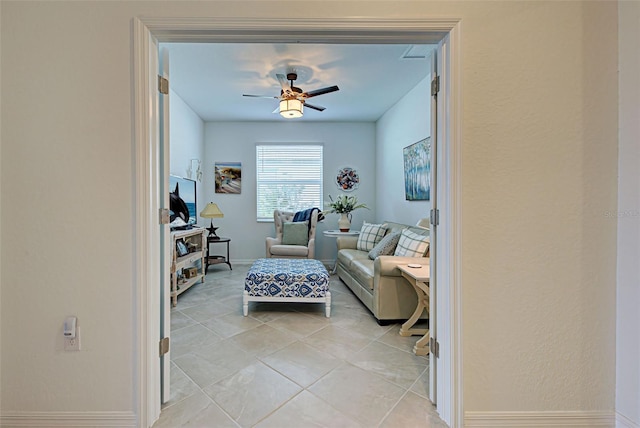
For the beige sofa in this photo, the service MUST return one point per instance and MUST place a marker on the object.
(378, 283)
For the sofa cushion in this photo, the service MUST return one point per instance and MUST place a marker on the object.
(362, 271)
(386, 246)
(295, 233)
(370, 235)
(411, 244)
(346, 256)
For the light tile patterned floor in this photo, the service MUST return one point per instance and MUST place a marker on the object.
(287, 365)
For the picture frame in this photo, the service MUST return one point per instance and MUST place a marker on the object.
(417, 170)
(228, 177)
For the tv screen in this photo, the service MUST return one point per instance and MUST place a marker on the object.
(187, 191)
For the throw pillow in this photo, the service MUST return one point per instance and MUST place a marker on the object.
(295, 233)
(386, 246)
(370, 235)
(412, 244)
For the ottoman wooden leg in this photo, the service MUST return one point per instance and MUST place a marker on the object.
(327, 307)
(245, 303)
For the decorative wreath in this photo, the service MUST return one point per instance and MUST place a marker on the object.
(347, 179)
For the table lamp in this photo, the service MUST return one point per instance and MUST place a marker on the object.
(212, 211)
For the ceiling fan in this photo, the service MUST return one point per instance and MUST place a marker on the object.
(292, 99)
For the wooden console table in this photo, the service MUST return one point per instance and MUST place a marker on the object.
(193, 260)
(419, 279)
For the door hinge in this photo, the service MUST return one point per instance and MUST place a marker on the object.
(163, 85)
(434, 347)
(435, 86)
(164, 216)
(434, 217)
(164, 346)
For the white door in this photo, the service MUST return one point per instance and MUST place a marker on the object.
(443, 315)
(165, 239)
(433, 233)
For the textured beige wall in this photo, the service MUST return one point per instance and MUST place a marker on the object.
(539, 159)
(539, 173)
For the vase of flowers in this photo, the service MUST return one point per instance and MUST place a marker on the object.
(344, 205)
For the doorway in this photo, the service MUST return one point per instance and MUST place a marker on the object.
(146, 35)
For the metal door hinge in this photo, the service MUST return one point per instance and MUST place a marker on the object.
(434, 347)
(434, 217)
(164, 346)
(163, 85)
(435, 86)
(164, 216)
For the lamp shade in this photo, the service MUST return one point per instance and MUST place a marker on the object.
(211, 211)
(291, 108)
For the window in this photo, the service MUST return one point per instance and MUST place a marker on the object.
(289, 178)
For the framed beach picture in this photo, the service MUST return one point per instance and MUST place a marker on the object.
(228, 177)
(417, 170)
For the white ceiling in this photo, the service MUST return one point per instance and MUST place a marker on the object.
(211, 78)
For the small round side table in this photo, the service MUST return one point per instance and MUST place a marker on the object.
(215, 259)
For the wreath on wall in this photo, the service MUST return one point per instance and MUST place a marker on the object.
(347, 179)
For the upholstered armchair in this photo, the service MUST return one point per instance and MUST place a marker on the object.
(289, 242)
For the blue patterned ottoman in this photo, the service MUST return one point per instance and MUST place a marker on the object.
(287, 280)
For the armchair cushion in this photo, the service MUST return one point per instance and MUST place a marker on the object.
(285, 251)
(295, 233)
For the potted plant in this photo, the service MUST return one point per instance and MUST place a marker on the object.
(344, 205)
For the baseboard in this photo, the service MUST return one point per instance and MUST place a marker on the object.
(68, 419)
(539, 419)
(624, 422)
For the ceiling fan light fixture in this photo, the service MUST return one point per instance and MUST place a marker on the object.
(290, 109)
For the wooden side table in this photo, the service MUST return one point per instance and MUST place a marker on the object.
(216, 259)
(419, 279)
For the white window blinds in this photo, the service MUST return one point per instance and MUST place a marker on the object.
(289, 178)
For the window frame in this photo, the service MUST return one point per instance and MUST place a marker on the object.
(319, 181)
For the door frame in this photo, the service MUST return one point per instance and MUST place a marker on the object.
(342, 30)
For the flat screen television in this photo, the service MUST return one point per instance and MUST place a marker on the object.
(187, 191)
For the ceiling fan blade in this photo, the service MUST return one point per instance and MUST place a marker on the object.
(277, 110)
(320, 91)
(319, 108)
(259, 96)
(284, 83)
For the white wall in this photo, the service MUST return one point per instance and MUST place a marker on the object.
(539, 169)
(407, 122)
(187, 142)
(628, 217)
(345, 144)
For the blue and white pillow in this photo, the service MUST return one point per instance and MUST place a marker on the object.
(370, 235)
(412, 244)
(386, 246)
